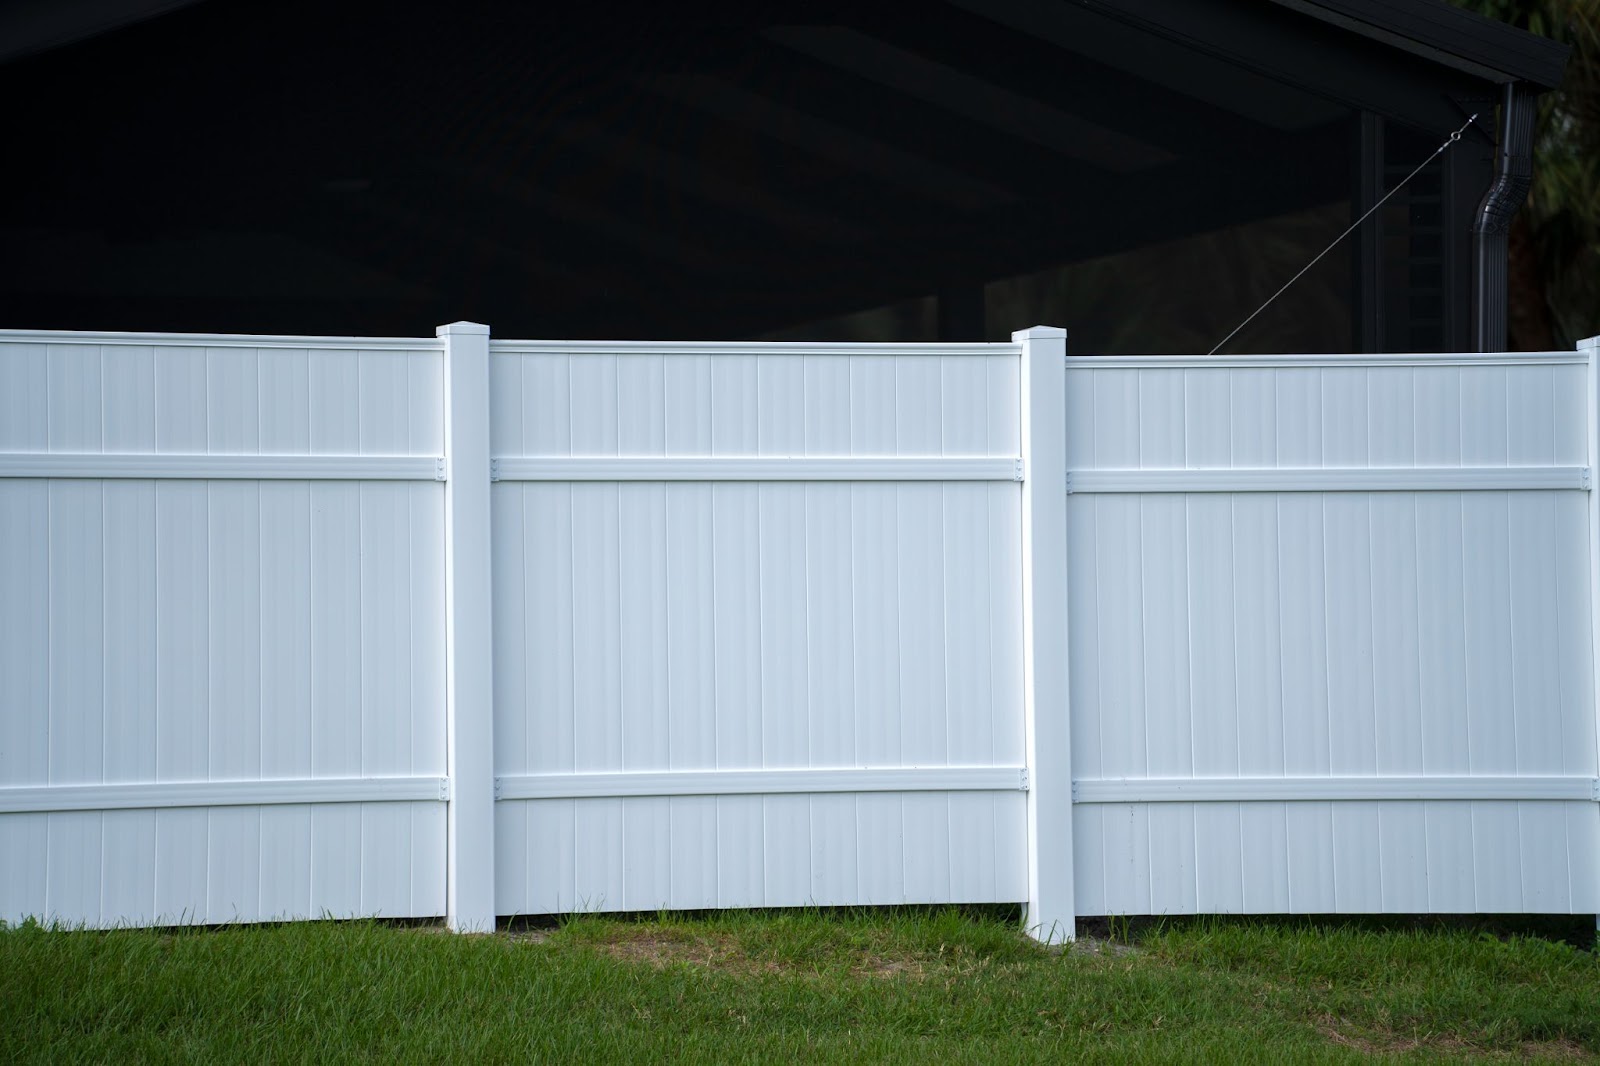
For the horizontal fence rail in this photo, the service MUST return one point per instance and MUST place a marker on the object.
(1316, 789)
(864, 468)
(1321, 479)
(174, 467)
(762, 782)
(169, 794)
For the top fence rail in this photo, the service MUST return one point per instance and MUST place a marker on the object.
(845, 348)
(220, 340)
(1155, 362)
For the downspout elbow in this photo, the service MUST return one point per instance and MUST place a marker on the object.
(1506, 194)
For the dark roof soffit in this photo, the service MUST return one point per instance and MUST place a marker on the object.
(30, 26)
(1449, 35)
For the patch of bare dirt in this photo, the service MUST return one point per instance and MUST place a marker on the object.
(876, 967)
(711, 952)
(1088, 945)
(724, 954)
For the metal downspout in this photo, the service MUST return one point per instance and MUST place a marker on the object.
(1513, 175)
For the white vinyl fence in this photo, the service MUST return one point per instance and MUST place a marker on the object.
(1332, 637)
(221, 607)
(293, 627)
(757, 626)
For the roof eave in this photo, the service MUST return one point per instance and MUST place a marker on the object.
(1447, 35)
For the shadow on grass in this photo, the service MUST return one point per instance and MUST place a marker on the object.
(1575, 930)
(980, 914)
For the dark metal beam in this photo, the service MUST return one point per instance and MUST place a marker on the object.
(972, 97)
(917, 173)
(1188, 75)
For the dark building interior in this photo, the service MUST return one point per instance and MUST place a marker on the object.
(1144, 172)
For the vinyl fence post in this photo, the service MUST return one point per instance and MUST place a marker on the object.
(1592, 348)
(1050, 915)
(469, 710)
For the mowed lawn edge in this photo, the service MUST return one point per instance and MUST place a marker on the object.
(898, 985)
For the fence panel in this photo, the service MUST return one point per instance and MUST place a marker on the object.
(1331, 635)
(221, 671)
(760, 627)
(735, 667)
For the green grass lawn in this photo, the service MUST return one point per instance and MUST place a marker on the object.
(901, 986)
